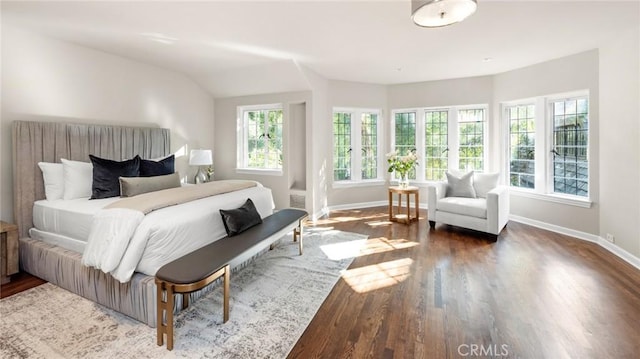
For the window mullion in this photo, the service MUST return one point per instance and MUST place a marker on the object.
(542, 147)
(245, 146)
(356, 146)
(452, 137)
(420, 143)
(265, 139)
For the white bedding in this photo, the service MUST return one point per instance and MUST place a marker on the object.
(165, 234)
(70, 218)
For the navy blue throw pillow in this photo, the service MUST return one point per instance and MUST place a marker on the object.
(107, 173)
(150, 168)
(240, 219)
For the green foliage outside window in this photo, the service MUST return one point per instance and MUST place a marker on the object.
(264, 138)
(341, 146)
(405, 135)
(471, 139)
(436, 152)
(522, 143)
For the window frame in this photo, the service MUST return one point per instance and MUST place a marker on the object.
(452, 136)
(242, 137)
(543, 188)
(356, 148)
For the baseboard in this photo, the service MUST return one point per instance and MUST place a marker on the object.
(621, 253)
(340, 207)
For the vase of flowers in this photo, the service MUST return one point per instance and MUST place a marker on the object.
(402, 165)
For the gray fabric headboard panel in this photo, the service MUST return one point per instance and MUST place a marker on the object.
(35, 142)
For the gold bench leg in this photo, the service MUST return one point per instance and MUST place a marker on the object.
(227, 277)
(169, 311)
(297, 232)
(159, 318)
(165, 307)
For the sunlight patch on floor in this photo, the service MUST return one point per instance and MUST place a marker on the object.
(379, 223)
(382, 244)
(376, 276)
(339, 251)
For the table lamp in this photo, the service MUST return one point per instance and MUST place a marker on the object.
(200, 158)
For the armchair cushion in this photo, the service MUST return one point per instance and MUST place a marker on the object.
(484, 182)
(472, 207)
(460, 186)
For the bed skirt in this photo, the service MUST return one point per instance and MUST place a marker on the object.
(61, 267)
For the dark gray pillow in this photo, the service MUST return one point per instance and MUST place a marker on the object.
(133, 186)
(106, 174)
(460, 186)
(240, 219)
(165, 166)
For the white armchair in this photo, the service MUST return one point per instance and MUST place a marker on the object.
(488, 212)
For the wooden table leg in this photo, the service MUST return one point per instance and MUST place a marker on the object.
(417, 205)
(408, 208)
(390, 205)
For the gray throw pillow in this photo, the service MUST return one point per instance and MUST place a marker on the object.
(460, 186)
(133, 186)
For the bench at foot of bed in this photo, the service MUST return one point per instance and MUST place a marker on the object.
(201, 267)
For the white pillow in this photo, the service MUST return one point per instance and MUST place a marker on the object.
(484, 182)
(78, 179)
(53, 176)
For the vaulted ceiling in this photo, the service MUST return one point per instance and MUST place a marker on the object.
(363, 41)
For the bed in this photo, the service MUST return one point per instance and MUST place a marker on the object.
(54, 233)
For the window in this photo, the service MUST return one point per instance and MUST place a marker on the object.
(558, 126)
(451, 137)
(341, 146)
(405, 135)
(260, 138)
(369, 133)
(570, 144)
(471, 139)
(522, 145)
(355, 145)
(436, 149)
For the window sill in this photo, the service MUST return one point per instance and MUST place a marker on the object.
(258, 171)
(364, 183)
(556, 198)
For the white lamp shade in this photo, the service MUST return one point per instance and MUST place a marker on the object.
(200, 158)
(436, 13)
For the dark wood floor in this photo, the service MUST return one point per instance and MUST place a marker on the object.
(450, 293)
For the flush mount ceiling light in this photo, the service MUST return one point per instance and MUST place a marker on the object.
(437, 13)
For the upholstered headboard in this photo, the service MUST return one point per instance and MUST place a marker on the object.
(35, 142)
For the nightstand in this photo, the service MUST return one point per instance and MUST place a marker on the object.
(9, 251)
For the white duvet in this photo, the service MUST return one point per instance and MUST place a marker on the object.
(122, 241)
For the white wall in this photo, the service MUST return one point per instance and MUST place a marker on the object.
(319, 132)
(226, 141)
(45, 79)
(620, 140)
(572, 73)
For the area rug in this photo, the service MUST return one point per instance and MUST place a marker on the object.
(272, 301)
